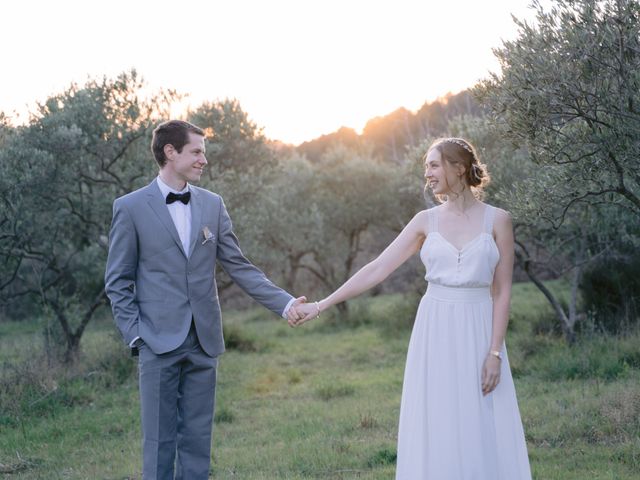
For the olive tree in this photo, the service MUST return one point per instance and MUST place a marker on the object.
(569, 92)
(60, 174)
(567, 100)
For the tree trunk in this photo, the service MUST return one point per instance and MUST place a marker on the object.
(294, 267)
(72, 353)
(72, 337)
(565, 323)
(575, 282)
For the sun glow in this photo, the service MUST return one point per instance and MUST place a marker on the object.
(300, 69)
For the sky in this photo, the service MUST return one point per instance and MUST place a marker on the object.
(300, 69)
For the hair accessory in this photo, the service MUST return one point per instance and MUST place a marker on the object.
(459, 142)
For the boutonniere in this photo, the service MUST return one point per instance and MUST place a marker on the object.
(208, 236)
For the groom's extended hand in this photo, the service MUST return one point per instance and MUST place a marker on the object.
(292, 314)
(305, 312)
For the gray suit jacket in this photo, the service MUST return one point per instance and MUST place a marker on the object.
(156, 288)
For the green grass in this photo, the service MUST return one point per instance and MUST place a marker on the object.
(320, 401)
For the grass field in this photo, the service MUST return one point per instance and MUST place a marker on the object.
(316, 402)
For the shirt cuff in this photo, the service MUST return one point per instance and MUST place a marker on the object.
(286, 309)
(132, 342)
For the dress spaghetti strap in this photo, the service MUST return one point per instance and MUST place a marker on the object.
(432, 219)
(489, 216)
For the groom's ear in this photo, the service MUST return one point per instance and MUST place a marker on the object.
(168, 150)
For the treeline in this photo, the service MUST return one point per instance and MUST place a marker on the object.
(558, 129)
(389, 136)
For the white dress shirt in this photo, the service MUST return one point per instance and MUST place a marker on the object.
(180, 214)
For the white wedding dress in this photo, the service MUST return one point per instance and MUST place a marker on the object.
(448, 430)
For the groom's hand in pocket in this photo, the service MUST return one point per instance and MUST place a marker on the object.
(135, 348)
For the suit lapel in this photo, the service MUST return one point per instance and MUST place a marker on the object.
(196, 218)
(157, 203)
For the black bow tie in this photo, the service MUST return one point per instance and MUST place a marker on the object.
(175, 197)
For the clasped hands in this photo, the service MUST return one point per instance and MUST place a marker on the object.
(301, 311)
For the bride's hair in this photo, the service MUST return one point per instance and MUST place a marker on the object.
(458, 151)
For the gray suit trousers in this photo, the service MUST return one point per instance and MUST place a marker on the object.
(177, 399)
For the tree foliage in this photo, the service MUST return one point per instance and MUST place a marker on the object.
(233, 140)
(567, 100)
(60, 174)
(569, 92)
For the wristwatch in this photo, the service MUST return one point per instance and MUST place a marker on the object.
(496, 353)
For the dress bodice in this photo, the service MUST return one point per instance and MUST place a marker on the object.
(471, 266)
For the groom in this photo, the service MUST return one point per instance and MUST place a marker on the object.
(160, 277)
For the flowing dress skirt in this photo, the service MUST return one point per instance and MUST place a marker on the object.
(448, 430)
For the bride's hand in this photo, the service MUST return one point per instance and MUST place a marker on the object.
(309, 311)
(490, 374)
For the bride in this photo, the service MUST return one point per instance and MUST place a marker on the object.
(459, 417)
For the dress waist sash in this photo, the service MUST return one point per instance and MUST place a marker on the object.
(458, 294)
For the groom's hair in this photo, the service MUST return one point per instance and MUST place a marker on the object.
(173, 132)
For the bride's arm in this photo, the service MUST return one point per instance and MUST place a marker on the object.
(502, 279)
(501, 294)
(404, 246)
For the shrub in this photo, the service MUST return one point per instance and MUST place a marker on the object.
(611, 289)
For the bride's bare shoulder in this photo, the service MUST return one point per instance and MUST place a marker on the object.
(428, 211)
(503, 222)
(502, 216)
(420, 222)
(423, 215)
